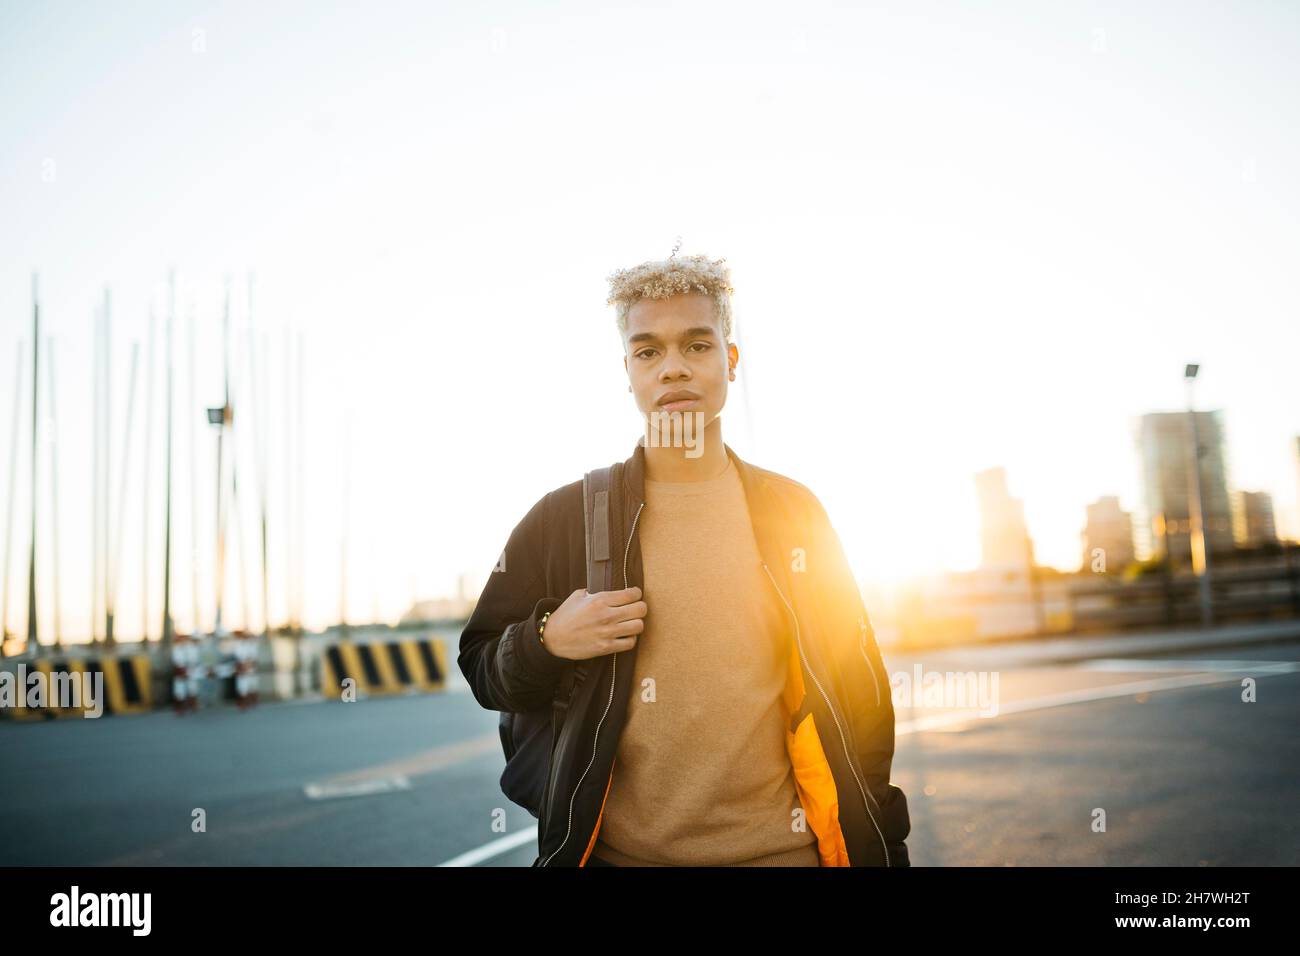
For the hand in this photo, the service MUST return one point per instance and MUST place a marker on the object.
(592, 625)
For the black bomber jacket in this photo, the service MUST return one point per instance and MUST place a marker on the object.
(568, 720)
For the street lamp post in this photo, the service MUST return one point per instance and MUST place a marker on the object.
(1196, 509)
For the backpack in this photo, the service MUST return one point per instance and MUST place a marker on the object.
(527, 738)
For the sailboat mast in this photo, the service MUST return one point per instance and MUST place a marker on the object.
(167, 628)
(220, 418)
(148, 474)
(115, 543)
(97, 410)
(236, 514)
(287, 524)
(33, 638)
(106, 514)
(13, 485)
(194, 492)
(343, 541)
(259, 453)
(54, 497)
(301, 505)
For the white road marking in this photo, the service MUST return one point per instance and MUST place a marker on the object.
(495, 848)
(1172, 664)
(422, 763)
(358, 788)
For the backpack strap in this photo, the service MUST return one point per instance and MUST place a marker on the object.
(598, 504)
(596, 507)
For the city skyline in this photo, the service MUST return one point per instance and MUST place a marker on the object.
(1005, 533)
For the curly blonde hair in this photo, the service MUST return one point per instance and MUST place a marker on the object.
(666, 277)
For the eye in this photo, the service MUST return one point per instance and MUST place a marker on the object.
(702, 345)
(643, 353)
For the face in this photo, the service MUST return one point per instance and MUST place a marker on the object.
(676, 345)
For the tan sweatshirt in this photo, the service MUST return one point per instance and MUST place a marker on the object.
(702, 776)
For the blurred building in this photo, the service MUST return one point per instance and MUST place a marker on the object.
(1297, 476)
(1004, 537)
(1252, 517)
(1110, 531)
(1164, 447)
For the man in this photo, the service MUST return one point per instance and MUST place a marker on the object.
(734, 709)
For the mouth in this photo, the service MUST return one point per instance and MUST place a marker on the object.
(678, 401)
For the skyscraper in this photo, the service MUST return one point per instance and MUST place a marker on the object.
(1004, 537)
(1252, 516)
(1108, 536)
(1165, 449)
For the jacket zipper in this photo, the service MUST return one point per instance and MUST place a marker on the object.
(838, 726)
(862, 645)
(612, 680)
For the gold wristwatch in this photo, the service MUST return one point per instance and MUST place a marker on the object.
(541, 626)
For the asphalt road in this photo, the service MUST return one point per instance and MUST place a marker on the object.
(1187, 774)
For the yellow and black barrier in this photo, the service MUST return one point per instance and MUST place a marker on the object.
(385, 667)
(124, 687)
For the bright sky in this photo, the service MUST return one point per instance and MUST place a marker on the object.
(960, 236)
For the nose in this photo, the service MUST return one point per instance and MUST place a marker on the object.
(673, 369)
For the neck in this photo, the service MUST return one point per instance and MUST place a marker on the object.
(706, 457)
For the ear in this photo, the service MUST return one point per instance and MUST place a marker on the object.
(733, 358)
